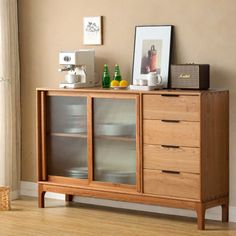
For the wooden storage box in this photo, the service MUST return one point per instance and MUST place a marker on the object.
(4, 198)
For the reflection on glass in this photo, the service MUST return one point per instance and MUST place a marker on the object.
(67, 137)
(115, 140)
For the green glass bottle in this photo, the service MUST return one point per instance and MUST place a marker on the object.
(117, 75)
(106, 77)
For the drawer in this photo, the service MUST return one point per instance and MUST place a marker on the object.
(182, 133)
(180, 185)
(176, 107)
(183, 159)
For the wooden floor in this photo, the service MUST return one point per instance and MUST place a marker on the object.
(57, 219)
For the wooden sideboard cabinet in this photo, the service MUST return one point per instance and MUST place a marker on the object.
(166, 147)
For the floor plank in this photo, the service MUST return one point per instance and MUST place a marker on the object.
(59, 219)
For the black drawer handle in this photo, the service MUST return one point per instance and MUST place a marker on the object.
(171, 121)
(170, 146)
(170, 172)
(170, 95)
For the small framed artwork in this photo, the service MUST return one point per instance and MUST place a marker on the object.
(92, 30)
(152, 50)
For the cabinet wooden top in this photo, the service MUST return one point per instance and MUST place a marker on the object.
(126, 91)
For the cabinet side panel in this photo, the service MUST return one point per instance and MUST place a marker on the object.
(43, 134)
(214, 145)
(38, 135)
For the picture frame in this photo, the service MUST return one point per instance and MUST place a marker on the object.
(92, 30)
(152, 51)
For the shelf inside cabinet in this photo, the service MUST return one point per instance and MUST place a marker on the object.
(69, 135)
(117, 138)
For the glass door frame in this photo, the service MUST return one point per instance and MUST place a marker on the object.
(42, 137)
(110, 185)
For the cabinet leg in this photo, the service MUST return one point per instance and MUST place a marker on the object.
(41, 195)
(69, 198)
(201, 216)
(225, 212)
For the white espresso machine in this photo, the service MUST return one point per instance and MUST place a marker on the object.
(79, 66)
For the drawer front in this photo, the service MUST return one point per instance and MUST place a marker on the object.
(183, 159)
(182, 133)
(171, 107)
(182, 185)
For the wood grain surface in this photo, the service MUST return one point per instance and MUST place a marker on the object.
(73, 219)
(181, 133)
(177, 107)
(174, 184)
(171, 158)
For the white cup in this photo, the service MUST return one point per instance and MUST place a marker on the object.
(143, 82)
(71, 79)
(140, 82)
(136, 82)
(154, 79)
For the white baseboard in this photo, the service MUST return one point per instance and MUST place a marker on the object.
(14, 195)
(30, 189)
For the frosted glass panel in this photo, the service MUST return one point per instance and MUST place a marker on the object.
(115, 140)
(67, 114)
(67, 137)
(67, 157)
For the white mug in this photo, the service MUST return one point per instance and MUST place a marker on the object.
(71, 79)
(141, 82)
(154, 79)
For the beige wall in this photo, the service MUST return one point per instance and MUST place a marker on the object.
(204, 33)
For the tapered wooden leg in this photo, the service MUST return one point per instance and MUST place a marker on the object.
(225, 212)
(69, 198)
(41, 195)
(201, 216)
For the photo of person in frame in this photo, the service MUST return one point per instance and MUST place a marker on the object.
(151, 56)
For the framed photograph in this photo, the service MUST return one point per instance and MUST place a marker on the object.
(92, 30)
(152, 50)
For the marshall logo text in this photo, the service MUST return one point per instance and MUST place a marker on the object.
(184, 76)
